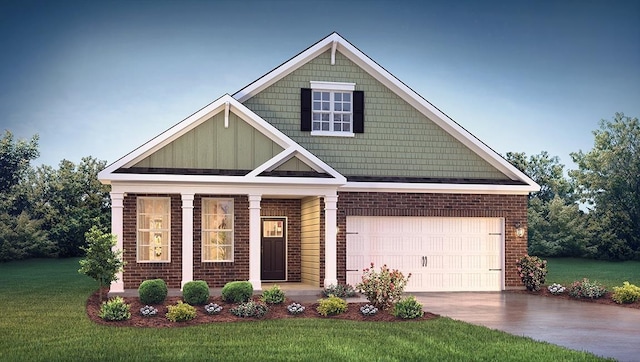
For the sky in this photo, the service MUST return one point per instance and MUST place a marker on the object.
(100, 78)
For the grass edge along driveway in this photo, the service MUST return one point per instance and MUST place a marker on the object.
(42, 317)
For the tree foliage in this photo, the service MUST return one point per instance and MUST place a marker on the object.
(608, 179)
(555, 223)
(101, 262)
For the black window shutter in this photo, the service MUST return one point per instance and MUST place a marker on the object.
(358, 111)
(305, 109)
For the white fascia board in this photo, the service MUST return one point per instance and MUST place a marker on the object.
(215, 179)
(287, 67)
(224, 189)
(437, 188)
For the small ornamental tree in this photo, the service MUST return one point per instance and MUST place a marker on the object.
(383, 288)
(533, 271)
(101, 263)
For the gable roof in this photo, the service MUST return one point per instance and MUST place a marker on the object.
(118, 171)
(335, 43)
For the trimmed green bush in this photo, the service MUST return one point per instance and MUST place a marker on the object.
(115, 309)
(408, 308)
(237, 292)
(273, 295)
(250, 309)
(195, 292)
(627, 293)
(153, 291)
(181, 312)
(331, 306)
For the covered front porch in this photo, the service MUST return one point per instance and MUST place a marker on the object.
(310, 260)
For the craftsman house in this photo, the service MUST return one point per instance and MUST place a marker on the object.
(310, 173)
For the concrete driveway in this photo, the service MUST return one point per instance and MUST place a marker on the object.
(607, 331)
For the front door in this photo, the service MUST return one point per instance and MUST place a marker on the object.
(274, 248)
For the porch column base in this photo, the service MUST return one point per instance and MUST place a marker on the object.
(256, 284)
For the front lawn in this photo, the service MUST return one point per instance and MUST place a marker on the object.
(42, 317)
(567, 270)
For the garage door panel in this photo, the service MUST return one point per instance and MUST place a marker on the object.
(442, 254)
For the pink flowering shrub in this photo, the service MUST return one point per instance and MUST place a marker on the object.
(383, 288)
(533, 271)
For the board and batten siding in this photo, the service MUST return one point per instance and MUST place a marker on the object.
(212, 146)
(398, 140)
(310, 240)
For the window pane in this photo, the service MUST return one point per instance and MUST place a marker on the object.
(317, 106)
(325, 117)
(338, 97)
(326, 106)
(325, 96)
(336, 127)
(346, 107)
(317, 96)
(338, 107)
(346, 97)
(325, 126)
(346, 127)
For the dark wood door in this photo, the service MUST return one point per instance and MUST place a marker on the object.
(274, 249)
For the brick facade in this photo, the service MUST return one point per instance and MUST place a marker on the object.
(513, 208)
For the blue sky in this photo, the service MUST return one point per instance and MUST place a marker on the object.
(101, 78)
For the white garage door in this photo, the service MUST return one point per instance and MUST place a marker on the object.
(441, 253)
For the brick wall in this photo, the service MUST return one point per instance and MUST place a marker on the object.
(136, 272)
(513, 208)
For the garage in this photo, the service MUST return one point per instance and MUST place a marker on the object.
(441, 253)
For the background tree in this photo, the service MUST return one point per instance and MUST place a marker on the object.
(69, 201)
(608, 179)
(21, 236)
(101, 262)
(555, 223)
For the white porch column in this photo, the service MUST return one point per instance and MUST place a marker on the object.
(187, 238)
(117, 206)
(254, 241)
(330, 240)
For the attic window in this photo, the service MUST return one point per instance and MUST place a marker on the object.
(332, 109)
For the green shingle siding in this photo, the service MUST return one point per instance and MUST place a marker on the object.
(212, 146)
(398, 140)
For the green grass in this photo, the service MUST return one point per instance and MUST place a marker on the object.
(567, 270)
(42, 318)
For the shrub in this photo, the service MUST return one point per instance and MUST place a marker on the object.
(115, 309)
(532, 271)
(627, 293)
(295, 308)
(408, 308)
(273, 295)
(556, 289)
(213, 308)
(339, 290)
(382, 289)
(181, 312)
(148, 311)
(152, 291)
(587, 289)
(237, 292)
(332, 306)
(195, 292)
(368, 310)
(250, 309)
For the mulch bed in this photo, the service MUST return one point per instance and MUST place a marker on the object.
(275, 312)
(606, 299)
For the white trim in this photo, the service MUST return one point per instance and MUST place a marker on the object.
(394, 84)
(255, 241)
(117, 227)
(332, 134)
(168, 251)
(330, 240)
(202, 230)
(187, 238)
(332, 86)
(437, 188)
(334, 47)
